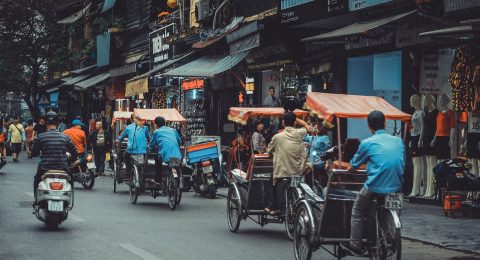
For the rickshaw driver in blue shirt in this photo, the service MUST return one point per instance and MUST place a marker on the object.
(384, 155)
(167, 141)
(138, 137)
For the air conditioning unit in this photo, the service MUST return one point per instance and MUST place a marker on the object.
(202, 10)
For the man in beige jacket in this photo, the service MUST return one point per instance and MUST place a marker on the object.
(289, 153)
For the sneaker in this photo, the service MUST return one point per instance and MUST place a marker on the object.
(350, 250)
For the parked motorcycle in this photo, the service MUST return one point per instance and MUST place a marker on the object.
(204, 179)
(54, 198)
(84, 173)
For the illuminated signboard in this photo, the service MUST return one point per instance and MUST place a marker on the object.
(193, 84)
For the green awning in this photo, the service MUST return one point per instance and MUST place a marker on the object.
(74, 80)
(82, 85)
(207, 66)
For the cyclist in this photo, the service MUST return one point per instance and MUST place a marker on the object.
(167, 141)
(384, 155)
(138, 137)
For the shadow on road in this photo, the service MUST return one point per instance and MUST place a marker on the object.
(263, 233)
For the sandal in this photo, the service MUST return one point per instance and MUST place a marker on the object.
(270, 212)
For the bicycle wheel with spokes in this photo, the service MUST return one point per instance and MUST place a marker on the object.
(291, 197)
(303, 228)
(133, 185)
(172, 192)
(389, 242)
(233, 209)
(115, 175)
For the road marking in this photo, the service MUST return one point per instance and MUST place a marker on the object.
(139, 252)
(71, 215)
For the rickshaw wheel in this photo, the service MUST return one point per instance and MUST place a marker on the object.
(233, 210)
(302, 231)
(133, 185)
(291, 197)
(114, 176)
(172, 190)
(389, 234)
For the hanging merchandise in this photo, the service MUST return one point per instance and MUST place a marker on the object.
(465, 79)
(159, 99)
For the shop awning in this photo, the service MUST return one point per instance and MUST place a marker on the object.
(50, 90)
(124, 70)
(207, 66)
(170, 115)
(328, 106)
(74, 17)
(80, 71)
(241, 115)
(450, 31)
(82, 85)
(75, 80)
(357, 28)
(122, 115)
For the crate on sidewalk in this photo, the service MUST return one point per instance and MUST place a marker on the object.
(202, 151)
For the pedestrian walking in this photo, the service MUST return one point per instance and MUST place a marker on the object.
(62, 126)
(99, 142)
(3, 141)
(16, 137)
(29, 138)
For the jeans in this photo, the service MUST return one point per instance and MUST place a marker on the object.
(270, 193)
(99, 154)
(158, 169)
(361, 207)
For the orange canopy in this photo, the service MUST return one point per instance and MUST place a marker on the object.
(121, 115)
(329, 106)
(242, 114)
(170, 115)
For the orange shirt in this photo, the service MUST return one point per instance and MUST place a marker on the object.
(463, 117)
(78, 137)
(445, 123)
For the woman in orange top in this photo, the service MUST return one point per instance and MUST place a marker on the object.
(29, 138)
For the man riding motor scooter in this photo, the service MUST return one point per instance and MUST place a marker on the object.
(52, 146)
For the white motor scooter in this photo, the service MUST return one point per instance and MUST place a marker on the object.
(54, 198)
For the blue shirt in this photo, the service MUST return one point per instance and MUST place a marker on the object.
(167, 141)
(137, 138)
(318, 146)
(384, 155)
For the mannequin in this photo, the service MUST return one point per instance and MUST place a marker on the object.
(444, 137)
(415, 145)
(471, 143)
(428, 134)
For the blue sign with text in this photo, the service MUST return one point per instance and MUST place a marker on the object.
(360, 4)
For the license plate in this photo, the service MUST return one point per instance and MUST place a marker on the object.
(91, 165)
(55, 206)
(207, 169)
(394, 201)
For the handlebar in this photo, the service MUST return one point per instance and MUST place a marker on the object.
(346, 171)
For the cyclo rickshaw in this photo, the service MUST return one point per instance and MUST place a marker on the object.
(246, 195)
(323, 219)
(140, 178)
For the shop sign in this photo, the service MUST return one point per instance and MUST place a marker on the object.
(160, 52)
(294, 11)
(193, 84)
(249, 85)
(473, 122)
(380, 36)
(354, 5)
(136, 87)
(434, 72)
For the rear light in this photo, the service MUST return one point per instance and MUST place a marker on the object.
(89, 157)
(206, 163)
(56, 185)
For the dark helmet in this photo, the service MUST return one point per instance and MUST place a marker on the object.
(51, 118)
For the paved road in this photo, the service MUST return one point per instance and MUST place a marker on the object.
(104, 225)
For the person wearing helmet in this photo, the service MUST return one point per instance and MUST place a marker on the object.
(79, 138)
(167, 142)
(52, 147)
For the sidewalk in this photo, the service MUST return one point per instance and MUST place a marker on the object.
(428, 224)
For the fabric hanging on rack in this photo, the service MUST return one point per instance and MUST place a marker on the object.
(464, 79)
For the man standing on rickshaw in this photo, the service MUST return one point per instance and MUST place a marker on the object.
(289, 154)
(167, 141)
(138, 137)
(384, 155)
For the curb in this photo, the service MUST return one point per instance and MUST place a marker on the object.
(465, 251)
